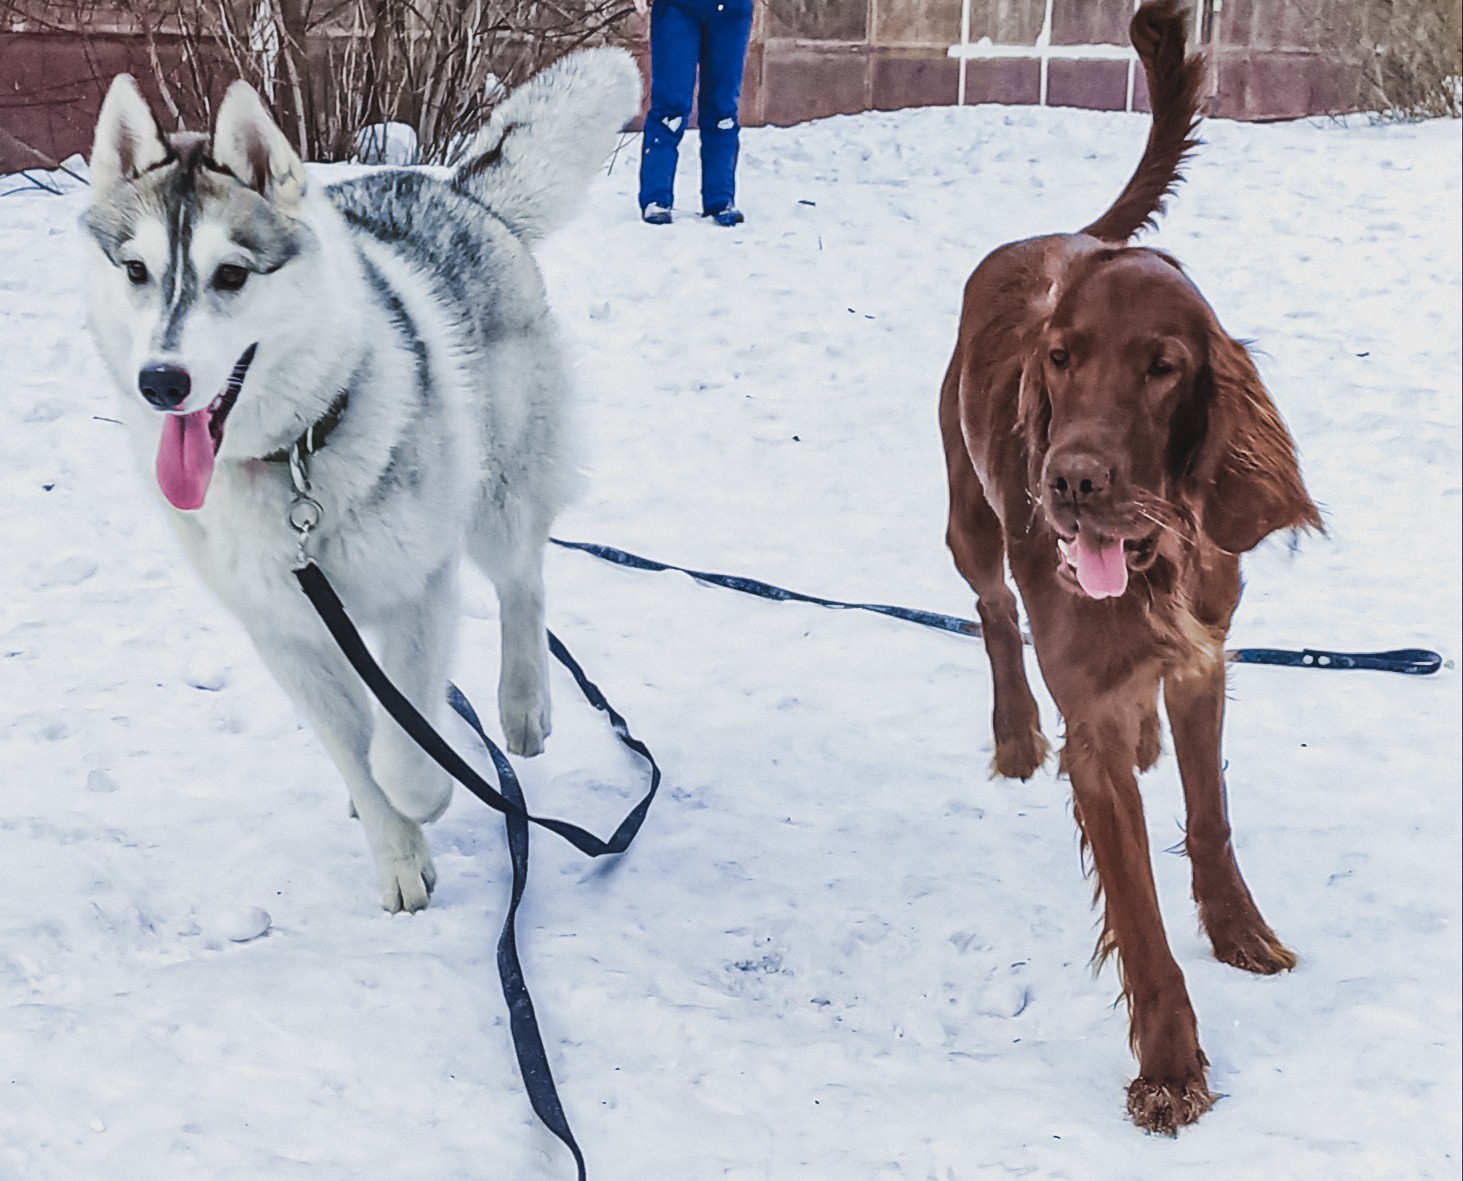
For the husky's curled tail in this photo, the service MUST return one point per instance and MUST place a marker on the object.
(533, 159)
(1159, 33)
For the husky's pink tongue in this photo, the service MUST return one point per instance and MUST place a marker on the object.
(185, 459)
(1101, 568)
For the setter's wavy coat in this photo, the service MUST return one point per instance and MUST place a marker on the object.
(1106, 437)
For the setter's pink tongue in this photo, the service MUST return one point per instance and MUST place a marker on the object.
(185, 459)
(1101, 568)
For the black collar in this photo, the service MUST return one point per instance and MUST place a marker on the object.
(314, 436)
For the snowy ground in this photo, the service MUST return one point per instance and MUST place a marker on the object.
(840, 952)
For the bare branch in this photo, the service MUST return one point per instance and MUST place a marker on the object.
(329, 68)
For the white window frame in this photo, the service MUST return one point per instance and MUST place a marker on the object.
(1042, 51)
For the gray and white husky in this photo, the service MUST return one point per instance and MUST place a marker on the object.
(392, 329)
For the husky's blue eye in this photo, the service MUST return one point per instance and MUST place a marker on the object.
(229, 277)
(137, 273)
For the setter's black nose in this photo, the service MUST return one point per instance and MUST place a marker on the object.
(1076, 477)
(164, 386)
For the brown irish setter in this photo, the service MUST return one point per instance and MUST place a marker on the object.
(1106, 437)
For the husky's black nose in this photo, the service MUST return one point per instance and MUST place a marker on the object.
(164, 386)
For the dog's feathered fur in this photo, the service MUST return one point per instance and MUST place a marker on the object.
(1105, 436)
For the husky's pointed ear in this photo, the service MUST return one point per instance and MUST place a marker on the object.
(127, 141)
(249, 144)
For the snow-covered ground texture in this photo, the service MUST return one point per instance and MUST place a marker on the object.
(839, 952)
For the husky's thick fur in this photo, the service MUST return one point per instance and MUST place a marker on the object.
(399, 319)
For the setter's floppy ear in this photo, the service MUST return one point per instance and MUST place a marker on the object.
(1247, 477)
(1034, 418)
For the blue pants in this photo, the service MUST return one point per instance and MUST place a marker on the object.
(686, 35)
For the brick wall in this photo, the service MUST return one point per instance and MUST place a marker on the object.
(820, 57)
(812, 58)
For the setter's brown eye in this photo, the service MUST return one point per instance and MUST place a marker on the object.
(1158, 367)
(136, 273)
(230, 277)
(1060, 358)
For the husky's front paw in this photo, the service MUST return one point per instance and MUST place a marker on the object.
(416, 786)
(407, 873)
(525, 726)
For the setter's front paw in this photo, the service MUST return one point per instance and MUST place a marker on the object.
(1256, 950)
(1021, 757)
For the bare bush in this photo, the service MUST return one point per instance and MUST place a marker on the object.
(327, 68)
(1417, 60)
(1405, 56)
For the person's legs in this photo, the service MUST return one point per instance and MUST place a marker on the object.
(723, 55)
(675, 43)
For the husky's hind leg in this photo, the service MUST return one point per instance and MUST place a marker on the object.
(325, 687)
(511, 553)
(415, 649)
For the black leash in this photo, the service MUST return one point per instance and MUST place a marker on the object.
(1416, 661)
(528, 1045)
(765, 590)
(528, 1042)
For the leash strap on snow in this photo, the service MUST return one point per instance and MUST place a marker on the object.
(528, 1042)
(319, 591)
(765, 590)
(1416, 661)
(528, 1045)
